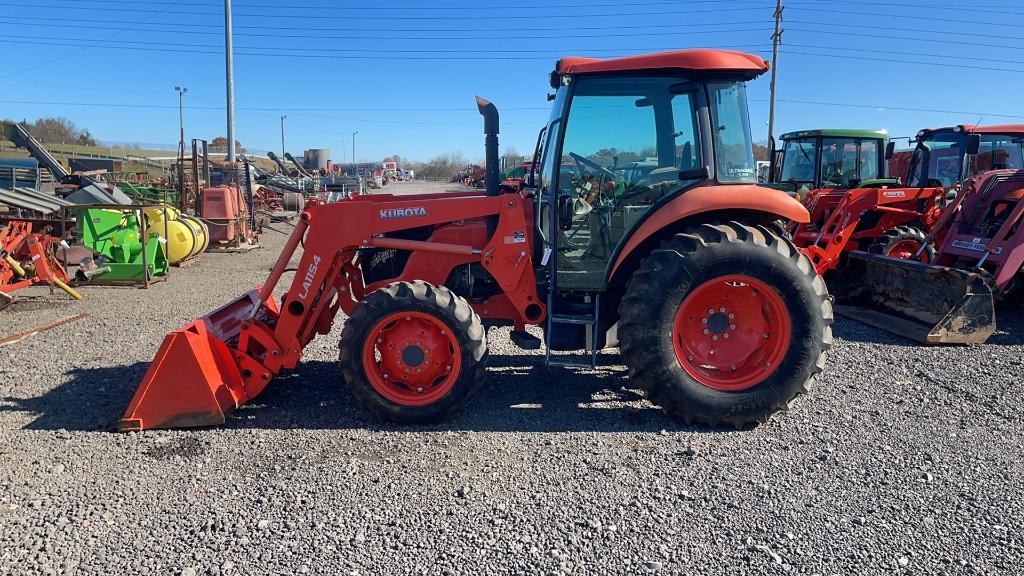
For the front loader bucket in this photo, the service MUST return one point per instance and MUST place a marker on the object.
(193, 380)
(927, 303)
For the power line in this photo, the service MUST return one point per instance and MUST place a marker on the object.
(930, 17)
(304, 111)
(278, 55)
(47, 22)
(942, 40)
(917, 62)
(899, 108)
(308, 17)
(83, 49)
(431, 7)
(1002, 10)
(552, 53)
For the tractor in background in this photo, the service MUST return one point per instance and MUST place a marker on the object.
(853, 205)
(643, 228)
(978, 263)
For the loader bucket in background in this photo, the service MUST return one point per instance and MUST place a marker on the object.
(194, 380)
(923, 302)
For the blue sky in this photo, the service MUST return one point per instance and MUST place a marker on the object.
(403, 74)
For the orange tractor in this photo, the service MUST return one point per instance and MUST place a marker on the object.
(643, 228)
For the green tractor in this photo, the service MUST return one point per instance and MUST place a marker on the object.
(831, 159)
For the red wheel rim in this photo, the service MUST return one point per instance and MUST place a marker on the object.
(905, 250)
(731, 333)
(411, 358)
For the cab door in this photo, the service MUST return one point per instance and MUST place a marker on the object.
(624, 144)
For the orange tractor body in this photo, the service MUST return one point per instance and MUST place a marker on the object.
(666, 250)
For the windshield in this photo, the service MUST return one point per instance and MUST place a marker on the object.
(998, 152)
(938, 158)
(798, 160)
(734, 148)
(845, 162)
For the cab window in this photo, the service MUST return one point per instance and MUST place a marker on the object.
(626, 141)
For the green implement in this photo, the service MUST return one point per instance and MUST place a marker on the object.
(117, 237)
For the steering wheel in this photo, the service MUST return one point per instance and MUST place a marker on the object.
(581, 161)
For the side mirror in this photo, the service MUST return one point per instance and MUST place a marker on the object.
(700, 173)
(973, 144)
(565, 212)
(890, 149)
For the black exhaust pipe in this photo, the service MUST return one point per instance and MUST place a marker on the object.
(490, 114)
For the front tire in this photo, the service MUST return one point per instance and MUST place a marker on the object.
(902, 243)
(413, 353)
(725, 324)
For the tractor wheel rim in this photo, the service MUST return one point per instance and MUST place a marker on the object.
(905, 250)
(731, 333)
(412, 358)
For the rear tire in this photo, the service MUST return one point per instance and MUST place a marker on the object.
(413, 353)
(902, 243)
(773, 333)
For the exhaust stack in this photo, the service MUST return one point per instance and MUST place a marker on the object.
(490, 114)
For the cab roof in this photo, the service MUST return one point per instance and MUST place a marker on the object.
(975, 129)
(837, 133)
(747, 65)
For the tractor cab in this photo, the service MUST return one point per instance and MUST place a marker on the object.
(948, 156)
(623, 139)
(831, 159)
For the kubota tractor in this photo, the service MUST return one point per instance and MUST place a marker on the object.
(979, 261)
(644, 228)
(841, 176)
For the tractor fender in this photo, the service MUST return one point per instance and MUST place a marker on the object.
(713, 198)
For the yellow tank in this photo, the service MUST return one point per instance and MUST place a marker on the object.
(186, 236)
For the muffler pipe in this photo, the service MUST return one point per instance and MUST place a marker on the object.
(490, 114)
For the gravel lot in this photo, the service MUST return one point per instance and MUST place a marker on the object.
(903, 459)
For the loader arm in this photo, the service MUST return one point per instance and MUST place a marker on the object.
(217, 363)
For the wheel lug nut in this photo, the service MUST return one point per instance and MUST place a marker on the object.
(726, 336)
(448, 368)
(722, 310)
(733, 367)
(765, 336)
(706, 331)
(420, 388)
(732, 326)
(731, 316)
(703, 320)
(715, 338)
(711, 311)
(386, 376)
(689, 358)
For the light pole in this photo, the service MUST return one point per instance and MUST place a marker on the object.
(181, 142)
(229, 66)
(354, 146)
(283, 116)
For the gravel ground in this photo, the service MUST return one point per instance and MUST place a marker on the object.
(903, 459)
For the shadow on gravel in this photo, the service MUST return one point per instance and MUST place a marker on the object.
(520, 395)
(1009, 331)
(93, 399)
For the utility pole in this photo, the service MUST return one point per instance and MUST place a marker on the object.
(283, 116)
(229, 64)
(354, 146)
(776, 40)
(181, 143)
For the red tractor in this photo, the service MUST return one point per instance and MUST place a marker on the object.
(643, 228)
(979, 261)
